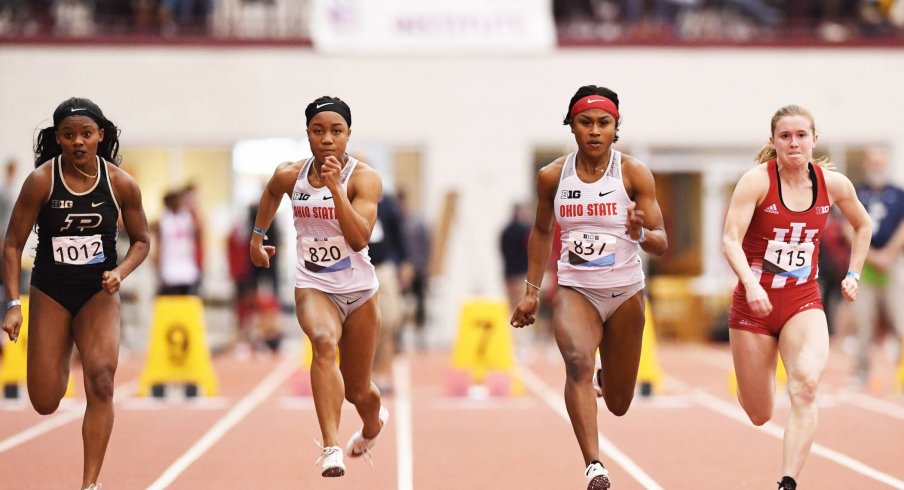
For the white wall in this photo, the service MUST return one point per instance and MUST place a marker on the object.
(477, 119)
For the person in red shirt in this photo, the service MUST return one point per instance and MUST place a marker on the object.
(771, 240)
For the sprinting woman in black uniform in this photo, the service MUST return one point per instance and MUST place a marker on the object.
(76, 196)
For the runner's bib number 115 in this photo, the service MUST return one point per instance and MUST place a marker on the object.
(790, 257)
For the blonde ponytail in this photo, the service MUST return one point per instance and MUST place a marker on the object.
(767, 152)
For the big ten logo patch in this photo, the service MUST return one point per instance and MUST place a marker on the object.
(60, 204)
(300, 196)
(569, 194)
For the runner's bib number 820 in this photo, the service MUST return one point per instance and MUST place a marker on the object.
(325, 254)
(78, 250)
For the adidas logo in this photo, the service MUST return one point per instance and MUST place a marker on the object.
(772, 209)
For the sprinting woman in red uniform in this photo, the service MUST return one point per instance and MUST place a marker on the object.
(771, 240)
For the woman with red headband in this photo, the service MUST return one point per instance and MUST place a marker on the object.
(771, 239)
(334, 202)
(605, 203)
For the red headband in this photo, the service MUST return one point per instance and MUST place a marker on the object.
(594, 102)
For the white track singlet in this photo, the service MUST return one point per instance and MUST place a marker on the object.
(597, 252)
(325, 259)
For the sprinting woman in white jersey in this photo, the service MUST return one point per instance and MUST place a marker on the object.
(605, 203)
(334, 201)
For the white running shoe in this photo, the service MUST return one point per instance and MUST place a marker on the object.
(93, 486)
(358, 445)
(597, 477)
(331, 459)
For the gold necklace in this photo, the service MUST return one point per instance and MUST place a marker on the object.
(85, 174)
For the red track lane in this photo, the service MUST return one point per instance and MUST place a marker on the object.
(464, 444)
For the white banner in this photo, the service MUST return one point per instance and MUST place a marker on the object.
(432, 26)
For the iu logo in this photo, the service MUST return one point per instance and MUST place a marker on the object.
(567, 194)
(82, 222)
(300, 196)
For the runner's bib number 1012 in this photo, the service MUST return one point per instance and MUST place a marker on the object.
(78, 250)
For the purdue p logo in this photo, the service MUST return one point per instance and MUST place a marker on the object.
(82, 222)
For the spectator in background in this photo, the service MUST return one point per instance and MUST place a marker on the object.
(190, 203)
(115, 16)
(270, 275)
(256, 309)
(13, 15)
(885, 204)
(834, 249)
(177, 239)
(186, 16)
(417, 241)
(513, 245)
(73, 18)
(390, 259)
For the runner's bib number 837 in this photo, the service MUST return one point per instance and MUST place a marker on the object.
(591, 249)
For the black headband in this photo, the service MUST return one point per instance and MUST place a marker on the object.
(64, 112)
(336, 106)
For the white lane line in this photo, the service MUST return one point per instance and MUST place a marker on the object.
(557, 403)
(73, 412)
(401, 373)
(722, 407)
(241, 409)
(873, 404)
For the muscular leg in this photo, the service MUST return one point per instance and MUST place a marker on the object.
(319, 319)
(49, 352)
(620, 353)
(96, 332)
(356, 349)
(754, 362)
(578, 331)
(804, 344)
